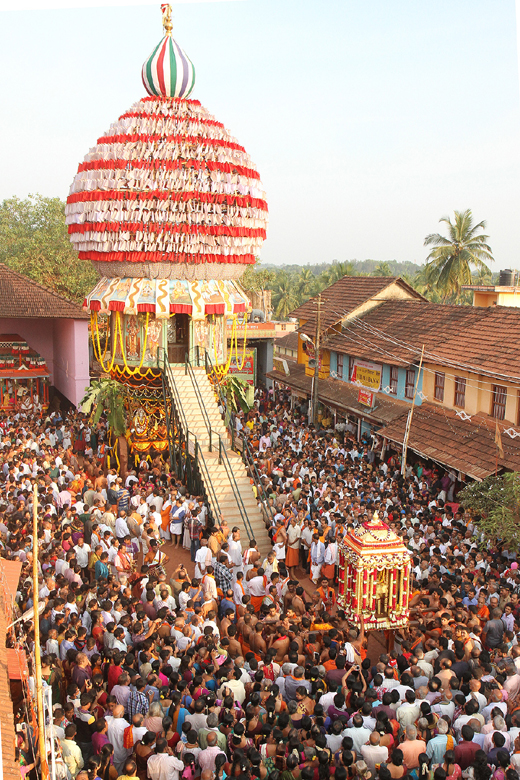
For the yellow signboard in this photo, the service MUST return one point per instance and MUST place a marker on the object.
(366, 374)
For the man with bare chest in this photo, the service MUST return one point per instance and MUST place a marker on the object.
(280, 642)
(257, 642)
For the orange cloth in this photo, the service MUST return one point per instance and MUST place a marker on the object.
(256, 601)
(165, 518)
(292, 557)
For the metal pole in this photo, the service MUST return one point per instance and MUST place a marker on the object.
(37, 650)
(410, 417)
(317, 366)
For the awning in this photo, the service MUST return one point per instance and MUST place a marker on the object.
(23, 373)
(465, 445)
(11, 571)
(341, 395)
(17, 668)
(164, 297)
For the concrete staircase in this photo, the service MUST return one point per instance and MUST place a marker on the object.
(217, 472)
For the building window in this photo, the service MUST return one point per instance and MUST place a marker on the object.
(439, 387)
(498, 410)
(394, 378)
(339, 369)
(350, 368)
(460, 392)
(410, 383)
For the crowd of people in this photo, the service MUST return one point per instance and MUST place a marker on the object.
(235, 665)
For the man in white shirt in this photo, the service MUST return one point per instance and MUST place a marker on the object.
(358, 733)
(82, 551)
(202, 559)
(116, 727)
(374, 753)
(162, 766)
(122, 529)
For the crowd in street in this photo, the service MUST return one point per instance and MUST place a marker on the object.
(244, 666)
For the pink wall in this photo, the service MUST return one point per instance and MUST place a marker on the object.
(64, 345)
(71, 364)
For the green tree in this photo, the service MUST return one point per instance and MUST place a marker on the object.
(495, 503)
(107, 396)
(338, 270)
(284, 296)
(383, 269)
(449, 264)
(34, 241)
(306, 283)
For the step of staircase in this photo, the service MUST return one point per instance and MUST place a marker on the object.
(216, 472)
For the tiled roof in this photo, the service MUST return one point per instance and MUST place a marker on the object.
(466, 446)
(22, 298)
(289, 341)
(342, 395)
(344, 296)
(483, 339)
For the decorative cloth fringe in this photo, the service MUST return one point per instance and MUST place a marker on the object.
(167, 183)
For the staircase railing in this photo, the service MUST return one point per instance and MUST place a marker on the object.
(240, 445)
(186, 457)
(223, 458)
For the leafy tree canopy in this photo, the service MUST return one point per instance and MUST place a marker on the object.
(495, 503)
(34, 241)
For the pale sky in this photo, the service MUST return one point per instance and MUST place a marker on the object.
(367, 119)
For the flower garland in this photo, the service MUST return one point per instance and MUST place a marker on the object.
(97, 354)
(221, 371)
(137, 369)
(241, 366)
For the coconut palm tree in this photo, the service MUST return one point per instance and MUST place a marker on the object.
(338, 270)
(284, 295)
(449, 264)
(306, 282)
(383, 269)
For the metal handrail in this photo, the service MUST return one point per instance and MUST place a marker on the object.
(188, 371)
(189, 435)
(222, 452)
(246, 456)
(224, 459)
(208, 484)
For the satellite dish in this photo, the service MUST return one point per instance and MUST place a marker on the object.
(311, 363)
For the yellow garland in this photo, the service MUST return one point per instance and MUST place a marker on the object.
(137, 369)
(241, 366)
(106, 369)
(151, 373)
(221, 371)
(94, 322)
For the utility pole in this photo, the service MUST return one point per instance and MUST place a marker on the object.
(317, 366)
(410, 417)
(37, 651)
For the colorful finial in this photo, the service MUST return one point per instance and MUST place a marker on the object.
(168, 71)
(167, 18)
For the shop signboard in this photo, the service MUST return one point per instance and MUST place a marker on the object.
(366, 398)
(367, 374)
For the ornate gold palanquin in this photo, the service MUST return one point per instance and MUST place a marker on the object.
(374, 576)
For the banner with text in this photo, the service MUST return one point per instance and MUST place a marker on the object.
(367, 374)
